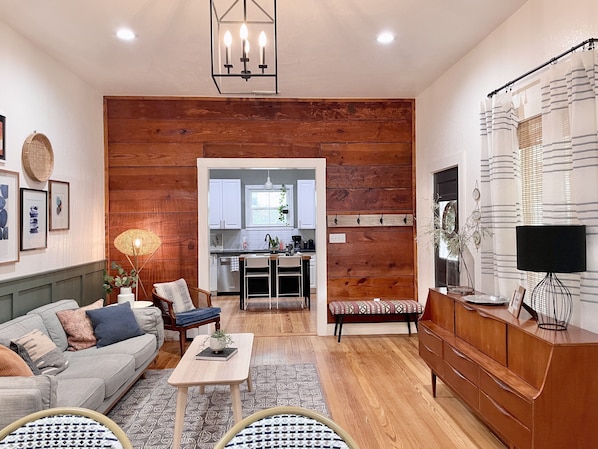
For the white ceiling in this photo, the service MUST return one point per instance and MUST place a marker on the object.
(327, 48)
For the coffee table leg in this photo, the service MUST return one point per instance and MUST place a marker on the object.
(179, 416)
(235, 395)
(249, 383)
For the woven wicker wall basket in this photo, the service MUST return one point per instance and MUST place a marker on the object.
(38, 157)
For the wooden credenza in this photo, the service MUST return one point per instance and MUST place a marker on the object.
(534, 388)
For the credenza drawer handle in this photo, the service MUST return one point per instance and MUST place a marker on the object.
(502, 385)
(499, 408)
(470, 309)
(458, 373)
(459, 353)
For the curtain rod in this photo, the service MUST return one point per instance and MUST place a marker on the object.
(556, 58)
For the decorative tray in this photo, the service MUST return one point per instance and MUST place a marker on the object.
(487, 300)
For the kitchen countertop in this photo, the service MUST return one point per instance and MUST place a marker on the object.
(238, 252)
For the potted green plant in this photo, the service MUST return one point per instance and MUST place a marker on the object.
(283, 207)
(219, 340)
(122, 280)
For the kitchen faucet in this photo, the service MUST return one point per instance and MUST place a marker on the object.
(272, 243)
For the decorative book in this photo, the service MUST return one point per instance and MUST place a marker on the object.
(208, 354)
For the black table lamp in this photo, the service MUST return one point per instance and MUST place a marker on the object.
(551, 249)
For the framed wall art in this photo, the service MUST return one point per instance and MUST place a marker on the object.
(34, 219)
(59, 205)
(517, 301)
(9, 217)
(2, 138)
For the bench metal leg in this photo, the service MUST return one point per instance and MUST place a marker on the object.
(338, 325)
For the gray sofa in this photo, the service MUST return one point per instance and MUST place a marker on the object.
(96, 378)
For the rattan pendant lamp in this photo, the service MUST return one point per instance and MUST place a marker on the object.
(136, 243)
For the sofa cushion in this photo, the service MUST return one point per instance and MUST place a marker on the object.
(77, 326)
(86, 392)
(113, 324)
(11, 364)
(142, 349)
(53, 327)
(43, 352)
(18, 327)
(178, 293)
(115, 370)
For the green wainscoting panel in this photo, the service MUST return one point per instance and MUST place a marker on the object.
(81, 282)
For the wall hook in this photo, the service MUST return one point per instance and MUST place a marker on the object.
(359, 219)
(382, 219)
(405, 219)
(336, 219)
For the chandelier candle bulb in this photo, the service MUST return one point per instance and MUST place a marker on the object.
(262, 40)
(228, 40)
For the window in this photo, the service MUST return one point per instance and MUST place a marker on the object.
(529, 133)
(268, 208)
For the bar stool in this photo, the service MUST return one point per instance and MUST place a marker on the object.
(289, 267)
(257, 267)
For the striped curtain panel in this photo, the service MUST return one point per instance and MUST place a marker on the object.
(570, 165)
(501, 196)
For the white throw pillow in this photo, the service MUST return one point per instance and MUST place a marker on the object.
(178, 293)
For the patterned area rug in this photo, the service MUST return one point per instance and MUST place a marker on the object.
(146, 412)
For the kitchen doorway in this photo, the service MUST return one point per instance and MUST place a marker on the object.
(204, 165)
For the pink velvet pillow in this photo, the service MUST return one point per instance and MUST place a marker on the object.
(78, 328)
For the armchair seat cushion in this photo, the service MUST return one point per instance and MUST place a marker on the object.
(195, 315)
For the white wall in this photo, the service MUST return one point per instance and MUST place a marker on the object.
(448, 111)
(38, 94)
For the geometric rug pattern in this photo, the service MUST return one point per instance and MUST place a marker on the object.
(146, 412)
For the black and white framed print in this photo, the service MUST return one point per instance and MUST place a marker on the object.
(9, 217)
(34, 219)
(59, 205)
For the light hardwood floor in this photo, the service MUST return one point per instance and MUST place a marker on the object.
(376, 387)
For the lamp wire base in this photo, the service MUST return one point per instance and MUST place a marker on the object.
(552, 301)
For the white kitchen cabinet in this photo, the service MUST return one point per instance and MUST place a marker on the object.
(306, 204)
(224, 204)
(312, 272)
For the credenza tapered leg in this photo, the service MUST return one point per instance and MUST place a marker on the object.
(433, 384)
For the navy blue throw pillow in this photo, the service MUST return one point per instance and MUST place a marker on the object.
(113, 324)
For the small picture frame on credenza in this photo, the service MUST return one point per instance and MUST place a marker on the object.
(517, 301)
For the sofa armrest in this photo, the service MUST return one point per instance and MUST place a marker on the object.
(20, 396)
(150, 322)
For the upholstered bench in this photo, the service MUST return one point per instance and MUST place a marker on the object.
(370, 311)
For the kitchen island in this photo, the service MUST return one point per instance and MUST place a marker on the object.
(305, 259)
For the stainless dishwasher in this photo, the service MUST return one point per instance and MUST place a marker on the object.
(228, 280)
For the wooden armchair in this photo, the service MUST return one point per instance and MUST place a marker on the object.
(184, 308)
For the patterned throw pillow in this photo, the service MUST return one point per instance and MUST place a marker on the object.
(42, 351)
(77, 325)
(12, 365)
(178, 293)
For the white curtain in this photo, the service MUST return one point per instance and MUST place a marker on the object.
(501, 195)
(570, 159)
(569, 177)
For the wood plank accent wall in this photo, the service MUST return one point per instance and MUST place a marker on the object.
(151, 176)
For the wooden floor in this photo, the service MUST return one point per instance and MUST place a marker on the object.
(376, 387)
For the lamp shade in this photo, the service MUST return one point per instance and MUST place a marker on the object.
(137, 242)
(551, 248)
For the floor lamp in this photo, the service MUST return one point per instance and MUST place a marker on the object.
(551, 249)
(135, 243)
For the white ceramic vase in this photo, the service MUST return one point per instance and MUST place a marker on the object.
(126, 295)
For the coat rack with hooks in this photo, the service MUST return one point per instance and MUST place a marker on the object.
(369, 220)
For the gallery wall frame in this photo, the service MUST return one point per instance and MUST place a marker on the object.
(2, 138)
(34, 219)
(59, 205)
(9, 217)
(517, 301)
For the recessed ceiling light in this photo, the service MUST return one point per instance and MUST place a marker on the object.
(385, 37)
(125, 34)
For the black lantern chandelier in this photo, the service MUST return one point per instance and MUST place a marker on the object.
(244, 46)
